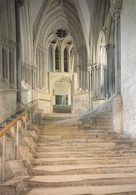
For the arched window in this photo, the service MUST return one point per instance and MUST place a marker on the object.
(57, 59)
(65, 60)
(50, 58)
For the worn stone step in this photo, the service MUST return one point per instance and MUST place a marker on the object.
(81, 169)
(84, 154)
(99, 190)
(81, 180)
(65, 161)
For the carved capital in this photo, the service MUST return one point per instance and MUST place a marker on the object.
(5, 41)
(89, 69)
(116, 6)
(12, 45)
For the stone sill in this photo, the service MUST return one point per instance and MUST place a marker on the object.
(8, 91)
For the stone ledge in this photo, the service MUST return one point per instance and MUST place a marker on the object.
(8, 91)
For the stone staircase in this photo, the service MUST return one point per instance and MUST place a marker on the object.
(81, 156)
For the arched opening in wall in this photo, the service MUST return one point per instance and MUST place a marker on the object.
(57, 59)
(62, 96)
(65, 60)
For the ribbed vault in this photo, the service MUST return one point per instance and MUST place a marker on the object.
(56, 14)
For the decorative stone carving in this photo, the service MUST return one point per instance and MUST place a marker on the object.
(116, 6)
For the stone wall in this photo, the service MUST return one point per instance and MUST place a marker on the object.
(128, 65)
(44, 105)
(7, 104)
(80, 103)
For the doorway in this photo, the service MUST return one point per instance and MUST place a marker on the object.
(62, 96)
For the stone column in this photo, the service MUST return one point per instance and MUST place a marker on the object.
(94, 81)
(30, 77)
(102, 81)
(40, 70)
(116, 6)
(62, 59)
(98, 82)
(15, 73)
(110, 64)
(37, 63)
(89, 69)
(46, 68)
(18, 4)
(36, 77)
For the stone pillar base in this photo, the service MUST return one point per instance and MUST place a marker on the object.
(117, 117)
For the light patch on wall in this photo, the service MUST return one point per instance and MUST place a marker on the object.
(36, 5)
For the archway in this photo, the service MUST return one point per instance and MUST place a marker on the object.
(62, 96)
